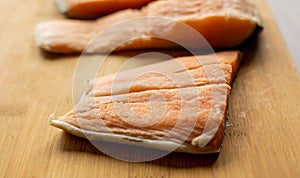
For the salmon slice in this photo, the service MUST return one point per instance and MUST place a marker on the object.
(223, 23)
(96, 8)
(151, 107)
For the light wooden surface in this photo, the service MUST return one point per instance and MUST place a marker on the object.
(263, 140)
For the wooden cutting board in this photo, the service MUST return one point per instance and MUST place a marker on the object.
(264, 111)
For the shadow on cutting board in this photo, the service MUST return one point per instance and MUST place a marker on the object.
(251, 46)
(171, 52)
(70, 143)
(76, 144)
(53, 56)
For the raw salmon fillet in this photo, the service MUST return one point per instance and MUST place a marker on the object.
(223, 23)
(96, 8)
(177, 103)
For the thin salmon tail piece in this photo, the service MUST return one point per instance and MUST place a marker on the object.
(167, 105)
(86, 9)
(223, 23)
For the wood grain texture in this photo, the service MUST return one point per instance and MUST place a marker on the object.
(263, 140)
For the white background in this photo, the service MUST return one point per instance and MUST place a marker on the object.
(287, 15)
